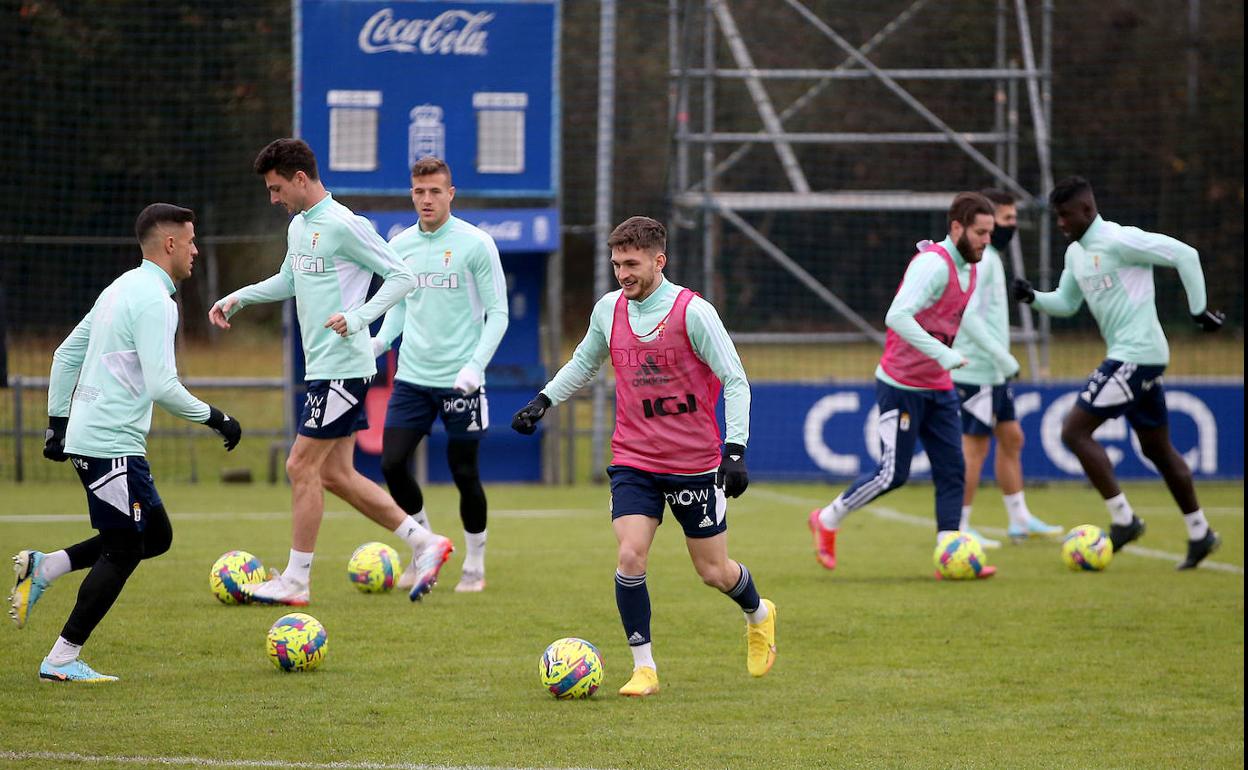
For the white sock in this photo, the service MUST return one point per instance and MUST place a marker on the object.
(758, 615)
(966, 518)
(642, 657)
(422, 519)
(1016, 507)
(53, 566)
(1120, 510)
(413, 533)
(832, 514)
(63, 652)
(1197, 526)
(474, 559)
(942, 533)
(299, 568)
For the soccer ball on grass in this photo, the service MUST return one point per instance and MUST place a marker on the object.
(233, 570)
(959, 556)
(1086, 548)
(297, 642)
(373, 568)
(571, 668)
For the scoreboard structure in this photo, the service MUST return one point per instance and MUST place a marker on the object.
(380, 84)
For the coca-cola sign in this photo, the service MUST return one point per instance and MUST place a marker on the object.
(458, 33)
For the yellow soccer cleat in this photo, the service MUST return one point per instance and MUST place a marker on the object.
(760, 640)
(645, 682)
(27, 587)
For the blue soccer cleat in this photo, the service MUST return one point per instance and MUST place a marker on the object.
(27, 587)
(428, 564)
(73, 671)
(1034, 528)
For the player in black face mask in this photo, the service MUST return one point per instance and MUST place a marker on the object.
(984, 386)
(1003, 234)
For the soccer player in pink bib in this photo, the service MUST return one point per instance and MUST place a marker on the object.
(913, 387)
(671, 356)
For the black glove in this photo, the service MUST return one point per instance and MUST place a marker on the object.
(1023, 291)
(525, 421)
(1210, 320)
(54, 439)
(225, 426)
(731, 476)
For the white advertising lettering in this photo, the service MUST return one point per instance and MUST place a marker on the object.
(506, 230)
(455, 33)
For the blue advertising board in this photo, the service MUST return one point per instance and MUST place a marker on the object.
(800, 431)
(381, 84)
(524, 237)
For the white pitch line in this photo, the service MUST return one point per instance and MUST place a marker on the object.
(58, 756)
(1217, 510)
(906, 518)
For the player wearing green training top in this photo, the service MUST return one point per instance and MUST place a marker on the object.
(1111, 267)
(451, 326)
(984, 388)
(331, 256)
(106, 375)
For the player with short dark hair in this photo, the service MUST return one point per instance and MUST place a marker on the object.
(451, 326)
(331, 257)
(984, 387)
(913, 388)
(1111, 267)
(106, 375)
(670, 353)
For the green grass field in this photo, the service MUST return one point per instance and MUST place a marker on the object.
(879, 665)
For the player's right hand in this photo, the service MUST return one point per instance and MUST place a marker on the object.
(220, 311)
(1210, 320)
(225, 426)
(54, 439)
(1012, 367)
(525, 421)
(1023, 291)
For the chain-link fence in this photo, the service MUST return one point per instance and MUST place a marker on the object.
(109, 106)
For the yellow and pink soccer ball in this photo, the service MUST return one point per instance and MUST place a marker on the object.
(233, 570)
(297, 642)
(571, 668)
(374, 568)
(959, 556)
(1086, 548)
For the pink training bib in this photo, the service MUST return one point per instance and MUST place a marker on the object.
(665, 396)
(902, 361)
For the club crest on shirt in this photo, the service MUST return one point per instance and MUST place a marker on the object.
(658, 331)
(315, 237)
(446, 258)
(1096, 261)
(904, 421)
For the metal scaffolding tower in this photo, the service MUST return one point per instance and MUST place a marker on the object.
(705, 203)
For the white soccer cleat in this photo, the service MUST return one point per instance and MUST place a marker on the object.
(428, 564)
(471, 582)
(410, 573)
(984, 541)
(280, 590)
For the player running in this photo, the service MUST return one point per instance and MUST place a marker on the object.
(331, 256)
(670, 353)
(1111, 267)
(451, 327)
(913, 387)
(984, 388)
(106, 375)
